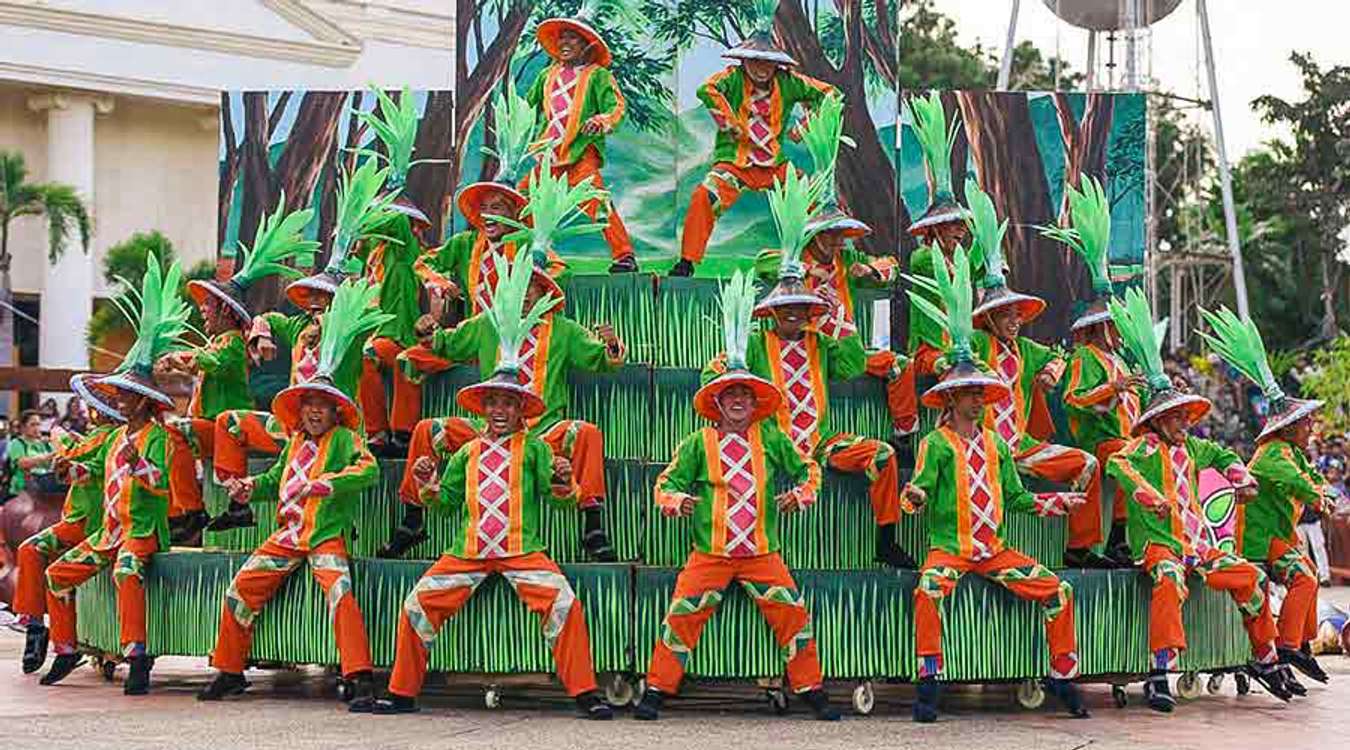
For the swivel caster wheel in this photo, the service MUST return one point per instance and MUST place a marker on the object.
(777, 700)
(346, 690)
(1030, 694)
(107, 668)
(1215, 684)
(1188, 686)
(619, 690)
(492, 697)
(864, 699)
(1119, 696)
(1243, 683)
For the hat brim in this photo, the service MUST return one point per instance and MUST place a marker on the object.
(1197, 408)
(200, 289)
(767, 396)
(471, 196)
(1289, 417)
(995, 390)
(1088, 320)
(850, 227)
(938, 215)
(286, 405)
(108, 386)
(414, 213)
(300, 291)
(471, 398)
(766, 306)
(83, 387)
(551, 28)
(1028, 307)
(765, 55)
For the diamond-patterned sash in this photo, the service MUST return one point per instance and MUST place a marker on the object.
(1005, 411)
(487, 276)
(113, 485)
(983, 513)
(1197, 531)
(494, 496)
(1116, 370)
(529, 350)
(761, 135)
(803, 412)
(560, 102)
(306, 362)
(734, 453)
(294, 489)
(837, 323)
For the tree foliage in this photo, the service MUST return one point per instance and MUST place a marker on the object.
(932, 57)
(124, 267)
(1326, 380)
(62, 206)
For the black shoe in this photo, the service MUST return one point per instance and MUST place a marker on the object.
(387, 447)
(393, 704)
(361, 687)
(683, 268)
(649, 708)
(225, 685)
(62, 666)
(138, 679)
(237, 516)
(593, 536)
(1291, 682)
(819, 702)
(411, 532)
(890, 553)
(186, 529)
(1271, 678)
(591, 706)
(1304, 662)
(34, 647)
(1068, 696)
(1118, 547)
(926, 700)
(626, 264)
(1158, 693)
(400, 439)
(1087, 559)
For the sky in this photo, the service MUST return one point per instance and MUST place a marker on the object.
(1252, 43)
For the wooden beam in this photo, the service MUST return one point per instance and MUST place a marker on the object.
(35, 379)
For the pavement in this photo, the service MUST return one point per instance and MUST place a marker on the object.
(297, 710)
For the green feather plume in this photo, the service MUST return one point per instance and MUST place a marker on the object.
(554, 209)
(795, 205)
(395, 125)
(508, 314)
(279, 239)
(354, 313)
(738, 307)
(758, 16)
(159, 313)
(1239, 343)
(1090, 233)
(936, 137)
(821, 137)
(516, 122)
(987, 235)
(1141, 336)
(953, 291)
(361, 209)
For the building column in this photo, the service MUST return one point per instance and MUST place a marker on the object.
(68, 290)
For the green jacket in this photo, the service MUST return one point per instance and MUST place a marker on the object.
(222, 383)
(84, 500)
(1144, 470)
(529, 479)
(1034, 358)
(1096, 413)
(1286, 482)
(941, 471)
(596, 94)
(697, 470)
(565, 346)
(290, 330)
(460, 260)
(726, 95)
(138, 506)
(342, 472)
(389, 265)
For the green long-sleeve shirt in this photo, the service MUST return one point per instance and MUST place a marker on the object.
(594, 93)
(84, 500)
(1096, 412)
(1286, 482)
(728, 95)
(135, 496)
(301, 334)
(464, 259)
(1032, 358)
(222, 376)
(389, 266)
(337, 476)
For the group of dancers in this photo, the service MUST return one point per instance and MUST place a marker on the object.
(134, 475)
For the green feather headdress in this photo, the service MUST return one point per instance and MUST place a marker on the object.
(738, 305)
(936, 137)
(1141, 337)
(395, 125)
(794, 203)
(987, 234)
(1090, 233)
(508, 315)
(554, 209)
(1239, 343)
(516, 123)
(159, 314)
(953, 291)
(361, 209)
(279, 239)
(821, 137)
(354, 314)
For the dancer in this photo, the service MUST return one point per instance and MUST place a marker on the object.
(81, 516)
(1159, 471)
(751, 103)
(555, 347)
(499, 481)
(964, 481)
(793, 355)
(135, 486)
(724, 476)
(1029, 369)
(1286, 483)
(579, 103)
(1101, 398)
(318, 483)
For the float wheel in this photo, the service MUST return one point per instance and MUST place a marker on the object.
(1030, 694)
(864, 698)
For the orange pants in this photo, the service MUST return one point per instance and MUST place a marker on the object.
(902, 397)
(237, 433)
(447, 586)
(1104, 451)
(1297, 624)
(1079, 469)
(30, 581)
(1220, 571)
(588, 168)
(882, 365)
(1019, 574)
(185, 492)
(875, 459)
(698, 591)
(580, 441)
(383, 353)
(715, 196)
(257, 582)
(84, 562)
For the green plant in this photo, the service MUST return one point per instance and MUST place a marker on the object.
(124, 263)
(1327, 381)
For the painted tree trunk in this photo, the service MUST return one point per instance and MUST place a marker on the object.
(474, 88)
(430, 185)
(1085, 143)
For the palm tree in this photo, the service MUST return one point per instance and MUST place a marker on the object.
(59, 203)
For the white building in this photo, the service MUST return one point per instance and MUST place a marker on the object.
(120, 99)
